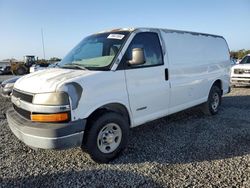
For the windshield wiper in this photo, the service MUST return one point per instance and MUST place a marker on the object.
(74, 66)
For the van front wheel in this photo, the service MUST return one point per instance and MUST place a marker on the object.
(106, 137)
(211, 107)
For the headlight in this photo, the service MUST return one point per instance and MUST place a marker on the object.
(9, 85)
(60, 98)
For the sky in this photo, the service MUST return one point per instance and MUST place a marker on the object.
(65, 23)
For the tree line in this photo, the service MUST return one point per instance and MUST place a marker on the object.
(239, 54)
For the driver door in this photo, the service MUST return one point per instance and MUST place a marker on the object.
(147, 84)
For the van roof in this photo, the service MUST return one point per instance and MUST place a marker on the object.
(165, 30)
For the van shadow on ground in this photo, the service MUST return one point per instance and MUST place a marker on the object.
(190, 136)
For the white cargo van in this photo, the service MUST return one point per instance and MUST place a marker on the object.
(115, 80)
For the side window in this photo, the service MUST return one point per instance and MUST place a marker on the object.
(150, 43)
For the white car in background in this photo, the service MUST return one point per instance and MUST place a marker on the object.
(240, 74)
(6, 86)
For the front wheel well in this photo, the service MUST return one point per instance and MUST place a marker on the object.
(112, 107)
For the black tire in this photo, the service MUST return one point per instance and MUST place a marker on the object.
(210, 107)
(20, 71)
(96, 125)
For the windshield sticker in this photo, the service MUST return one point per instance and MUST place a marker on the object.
(116, 36)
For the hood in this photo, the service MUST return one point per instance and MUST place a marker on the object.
(47, 80)
(11, 80)
(241, 66)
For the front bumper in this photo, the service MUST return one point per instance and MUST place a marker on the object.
(46, 135)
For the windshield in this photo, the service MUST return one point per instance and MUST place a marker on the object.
(95, 52)
(245, 60)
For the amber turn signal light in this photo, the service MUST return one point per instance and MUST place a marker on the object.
(49, 117)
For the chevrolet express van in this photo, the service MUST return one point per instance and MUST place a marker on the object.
(115, 80)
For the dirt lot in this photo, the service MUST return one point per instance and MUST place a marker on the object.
(187, 149)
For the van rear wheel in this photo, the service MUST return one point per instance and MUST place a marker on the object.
(211, 107)
(106, 137)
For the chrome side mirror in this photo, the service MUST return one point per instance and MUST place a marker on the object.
(138, 57)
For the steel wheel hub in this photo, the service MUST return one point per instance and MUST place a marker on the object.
(216, 101)
(109, 138)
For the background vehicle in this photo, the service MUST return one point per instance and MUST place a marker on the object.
(240, 74)
(22, 67)
(5, 69)
(6, 86)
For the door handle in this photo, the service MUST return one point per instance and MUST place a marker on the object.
(166, 74)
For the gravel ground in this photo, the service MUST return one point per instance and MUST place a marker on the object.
(187, 149)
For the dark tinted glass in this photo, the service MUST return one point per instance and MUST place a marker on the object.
(245, 60)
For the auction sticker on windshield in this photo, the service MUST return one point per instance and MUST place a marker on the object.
(116, 36)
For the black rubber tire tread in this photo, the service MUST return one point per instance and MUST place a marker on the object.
(96, 124)
(207, 106)
(20, 71)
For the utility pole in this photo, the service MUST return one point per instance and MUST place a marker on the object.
(43, 43)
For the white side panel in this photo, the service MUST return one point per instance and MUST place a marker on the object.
(195, 62)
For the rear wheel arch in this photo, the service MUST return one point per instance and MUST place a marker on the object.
(210, 107)
(218, 83)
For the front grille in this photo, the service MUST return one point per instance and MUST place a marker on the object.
(242, 81)
(26, 114)
(241, 77)
(238, 71)
(247, 71)
(241, 71)
(23, 96)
